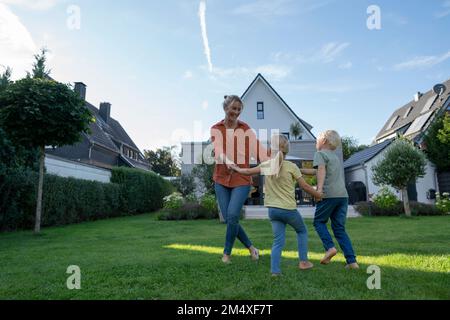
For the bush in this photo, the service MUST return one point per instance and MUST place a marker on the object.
(188, 211)
(69, 200)
(443, 202)
(386, 199)
(173, 201)
(141, 191)
(209, 202)
(417, 209)
(185, 184)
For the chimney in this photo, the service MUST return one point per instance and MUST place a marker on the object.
(80, 88)
(105, 111)
(417, 96)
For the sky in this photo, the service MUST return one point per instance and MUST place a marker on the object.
(165, 66)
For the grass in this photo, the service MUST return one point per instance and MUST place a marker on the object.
(142, 258)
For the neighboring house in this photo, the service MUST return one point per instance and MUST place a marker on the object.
(411, 121)
(264, 111)
(106, 146)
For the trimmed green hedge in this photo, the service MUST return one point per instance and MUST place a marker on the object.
(69, 200)
(141, 191)
(417, 209)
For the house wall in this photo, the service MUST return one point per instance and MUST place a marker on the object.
(66, 168)
(101, 155)
(276, 115)
(423, 184)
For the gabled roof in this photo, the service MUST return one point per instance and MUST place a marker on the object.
(107, 133)
(366, 154)
(260, 77)
(402, 119)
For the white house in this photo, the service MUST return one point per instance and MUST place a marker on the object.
(411, 121)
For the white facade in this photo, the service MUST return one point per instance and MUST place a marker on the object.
(277, 115)
(66, 168)
(364, 174)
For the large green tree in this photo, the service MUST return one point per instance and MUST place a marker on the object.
(164, 161)
(437, 143)
(37, 112)
(402, 164)
(350, 146)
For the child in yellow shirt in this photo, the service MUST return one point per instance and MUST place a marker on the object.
(280, 181)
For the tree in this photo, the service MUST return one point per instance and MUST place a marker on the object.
(5, 78)
(164, 161)
(402, 164)
(39, 112)
(40, 70)
(204, 173)
(437, 143)
(350, 146)
(296, 130)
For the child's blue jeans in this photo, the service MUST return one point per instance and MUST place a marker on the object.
(334, 209)
(279, 218)
(231, 201)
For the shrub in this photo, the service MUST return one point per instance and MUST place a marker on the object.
(188, 211)
(141, 191)
(417, 209)
(443, 202)
(173, 201)
(209, 202)
(386, 199)
(69, 200)
(185, 184)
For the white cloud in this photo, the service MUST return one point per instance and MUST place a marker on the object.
(32, 4)
(264, 8)
(17, 46)
(202, 15)
(347, 65)
(330, 87)
(445, 11)
(188, 75)
(328, 53)
(275, 72)
(422, 62)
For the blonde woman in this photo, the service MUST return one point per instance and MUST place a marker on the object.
(281, 179)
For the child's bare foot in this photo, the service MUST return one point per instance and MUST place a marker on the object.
(353, 265)
(305, 265)
(328, 256)
(226, 259)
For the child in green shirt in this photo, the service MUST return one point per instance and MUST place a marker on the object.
(281, 177)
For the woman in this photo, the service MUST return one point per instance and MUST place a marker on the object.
(234, 143)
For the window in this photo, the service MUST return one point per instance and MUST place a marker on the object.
(393, 121)
(408, 112)
(260, 110)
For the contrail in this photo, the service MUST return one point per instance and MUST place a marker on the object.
(202, 14)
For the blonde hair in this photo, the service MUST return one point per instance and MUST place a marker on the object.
(283, 143)
(331, 137)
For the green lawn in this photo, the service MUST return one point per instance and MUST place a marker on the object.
(142, 258)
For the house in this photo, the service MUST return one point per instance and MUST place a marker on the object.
(107, 145)
(411, 121)
(265, 112)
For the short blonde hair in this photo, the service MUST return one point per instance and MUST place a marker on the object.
(331, 137)
(283, 143)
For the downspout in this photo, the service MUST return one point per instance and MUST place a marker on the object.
(366, 177)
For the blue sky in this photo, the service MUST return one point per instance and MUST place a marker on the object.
(148, 58)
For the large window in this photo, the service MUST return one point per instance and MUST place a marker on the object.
(260, 110)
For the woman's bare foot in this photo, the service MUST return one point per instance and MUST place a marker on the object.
(305, 265)
(254, 253)
(328, 256)
(226, 259)
(353, 265)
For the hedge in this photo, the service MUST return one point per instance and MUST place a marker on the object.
(69, 200)
(417, 209)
